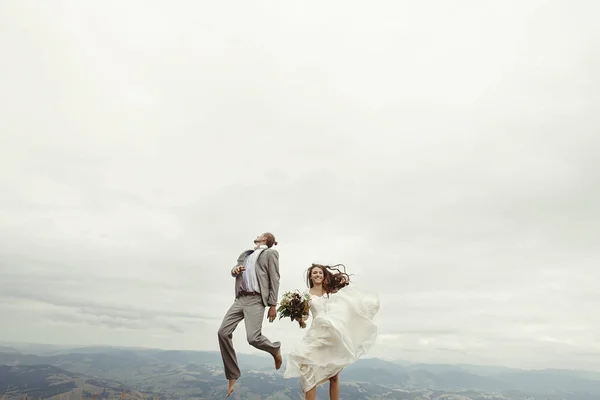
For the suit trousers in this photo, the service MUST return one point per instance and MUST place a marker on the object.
(252, 310)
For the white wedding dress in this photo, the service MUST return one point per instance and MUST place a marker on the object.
(341, 332)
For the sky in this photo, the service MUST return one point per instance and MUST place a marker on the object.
(445, 152)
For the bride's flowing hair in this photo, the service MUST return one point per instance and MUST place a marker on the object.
(334, 277)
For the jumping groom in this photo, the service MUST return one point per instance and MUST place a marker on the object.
(256, 287)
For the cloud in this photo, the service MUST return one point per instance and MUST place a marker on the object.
(86, 300)
(112, 322)
(449, 162)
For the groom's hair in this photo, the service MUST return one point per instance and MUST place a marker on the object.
(270, 239)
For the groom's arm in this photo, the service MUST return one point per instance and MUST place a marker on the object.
(273, 269)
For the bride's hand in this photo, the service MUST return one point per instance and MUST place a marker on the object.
(304, 318)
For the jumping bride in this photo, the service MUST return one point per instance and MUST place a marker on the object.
(342, 330)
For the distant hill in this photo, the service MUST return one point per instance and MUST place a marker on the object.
(150, 373)
(36, 348)
(46, 381)
(8, 349)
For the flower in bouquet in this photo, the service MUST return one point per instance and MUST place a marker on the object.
(295, 306)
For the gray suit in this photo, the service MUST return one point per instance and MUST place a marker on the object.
(251, 309)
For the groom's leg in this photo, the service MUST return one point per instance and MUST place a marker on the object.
(231, 320)
(254, 314)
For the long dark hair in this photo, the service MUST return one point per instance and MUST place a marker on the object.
(333, 277)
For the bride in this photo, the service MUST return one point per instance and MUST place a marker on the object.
(341, 332)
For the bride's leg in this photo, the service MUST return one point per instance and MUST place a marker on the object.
(334, 387)
(311, 394)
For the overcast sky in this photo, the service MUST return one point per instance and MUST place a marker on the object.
(445, 151)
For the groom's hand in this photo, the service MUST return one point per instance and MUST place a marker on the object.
(238, 270)
(272, 314)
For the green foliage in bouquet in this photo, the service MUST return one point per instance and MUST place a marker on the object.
(295, 306)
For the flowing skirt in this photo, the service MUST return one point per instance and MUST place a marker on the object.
(341, 332)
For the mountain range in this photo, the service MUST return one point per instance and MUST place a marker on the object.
(140, 373)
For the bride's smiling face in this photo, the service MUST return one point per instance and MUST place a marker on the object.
(316, 276)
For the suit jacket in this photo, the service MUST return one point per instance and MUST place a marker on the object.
(267, 273)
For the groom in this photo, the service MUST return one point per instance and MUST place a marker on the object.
(256, 287)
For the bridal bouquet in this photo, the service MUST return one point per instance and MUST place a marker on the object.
(294, 305)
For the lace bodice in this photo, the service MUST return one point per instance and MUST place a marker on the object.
(317, 305)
